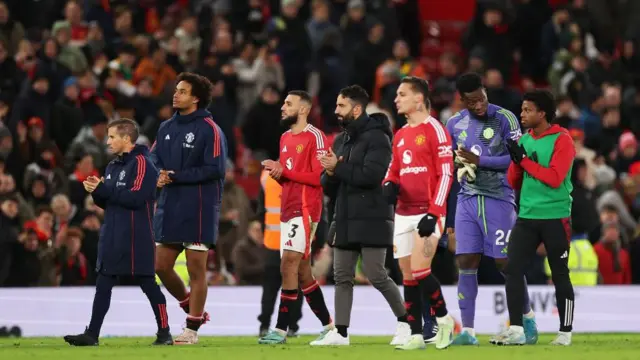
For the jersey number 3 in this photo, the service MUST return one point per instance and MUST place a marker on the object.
(292, 232)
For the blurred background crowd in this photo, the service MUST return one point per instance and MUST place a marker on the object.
(67, 68)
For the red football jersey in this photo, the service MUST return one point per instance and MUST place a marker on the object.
(301, 189)
(422, 164)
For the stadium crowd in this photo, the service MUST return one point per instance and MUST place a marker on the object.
(68, 68)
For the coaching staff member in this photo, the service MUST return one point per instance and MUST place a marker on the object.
(126, 248)
(363, 219)
(541, 170)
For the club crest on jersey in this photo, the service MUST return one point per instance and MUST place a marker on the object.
(420, 139)
(488, 133)
(189, 140)
(407, 157)
(289, 163)
(120, 178)
(299, 148)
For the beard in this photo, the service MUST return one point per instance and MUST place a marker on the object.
(346, 120)
(289, 121)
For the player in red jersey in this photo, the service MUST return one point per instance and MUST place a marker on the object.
(418, 182)
(298, 170)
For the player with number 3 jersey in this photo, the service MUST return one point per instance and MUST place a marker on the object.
(299, 171)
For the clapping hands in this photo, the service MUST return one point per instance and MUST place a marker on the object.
(164, 178)
(91, 183)
(329, 161)
(274, 168)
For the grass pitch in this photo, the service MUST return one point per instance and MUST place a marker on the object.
(585, 346)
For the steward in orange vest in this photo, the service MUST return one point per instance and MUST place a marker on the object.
(271, 208)
(269, 213)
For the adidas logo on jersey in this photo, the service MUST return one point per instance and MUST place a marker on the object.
(284, 149)
(400, 143)
(564, 255)
(108, 176)
(167, 137)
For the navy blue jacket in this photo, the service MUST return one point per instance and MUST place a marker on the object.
(127, 246)
(195, 148)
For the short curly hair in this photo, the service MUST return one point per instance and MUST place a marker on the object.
(201, 88)
(468, 82)
(544, 101)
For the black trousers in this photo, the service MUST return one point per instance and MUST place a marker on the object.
(525, 238)
(272, 281)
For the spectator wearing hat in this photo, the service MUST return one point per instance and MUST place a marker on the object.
(627, 152)
(613, 260)
(70, 56)
(33, 140)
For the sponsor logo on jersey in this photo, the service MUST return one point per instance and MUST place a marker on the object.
(407, 157)
(515, 134)
(413, 170)
(289, 163)
(445, 151)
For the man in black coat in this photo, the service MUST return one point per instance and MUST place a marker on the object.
(363, 219)
(126, 248)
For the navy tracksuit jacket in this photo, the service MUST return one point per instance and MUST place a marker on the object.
(195, 148)
(126, 245)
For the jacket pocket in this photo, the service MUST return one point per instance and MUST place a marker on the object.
(367, 206)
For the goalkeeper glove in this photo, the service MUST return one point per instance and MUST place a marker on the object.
(516, 151)
(467, 171)
(427, 225)
(390, 191)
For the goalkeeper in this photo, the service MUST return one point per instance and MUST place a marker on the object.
(541, 169)
(486, 207)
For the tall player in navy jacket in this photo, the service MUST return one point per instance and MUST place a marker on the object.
(126, 247)
(190, 151)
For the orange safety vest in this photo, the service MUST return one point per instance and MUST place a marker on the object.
(272, 192)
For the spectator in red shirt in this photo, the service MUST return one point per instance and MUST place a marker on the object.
(614, 264)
